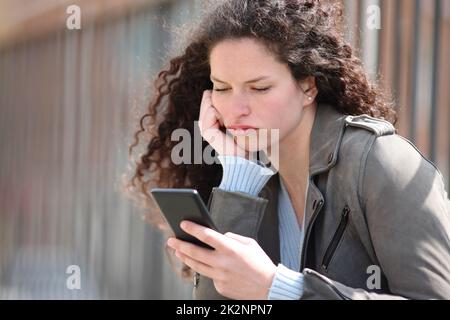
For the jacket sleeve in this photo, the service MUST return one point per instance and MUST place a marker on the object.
(236, 212)
(235, 207)
(240, 174)
(408, 219)
(407, 214)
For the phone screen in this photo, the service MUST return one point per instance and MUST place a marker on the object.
(183, 204)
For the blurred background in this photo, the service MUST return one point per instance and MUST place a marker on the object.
(68, 100)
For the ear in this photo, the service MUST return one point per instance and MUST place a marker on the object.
(310, 91)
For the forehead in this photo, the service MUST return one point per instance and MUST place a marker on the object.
(242, 56)
(241, 43)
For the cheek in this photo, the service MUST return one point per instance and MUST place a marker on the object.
(279, 111)
(219, 104)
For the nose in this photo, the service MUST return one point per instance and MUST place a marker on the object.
(238, 106)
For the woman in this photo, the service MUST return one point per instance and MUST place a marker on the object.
(352, 210)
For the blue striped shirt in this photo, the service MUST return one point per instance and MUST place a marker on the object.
(240, 174)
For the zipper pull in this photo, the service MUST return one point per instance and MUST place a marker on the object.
(345, 211)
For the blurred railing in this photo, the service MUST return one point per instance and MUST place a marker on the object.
(67, 102)
(411, 55)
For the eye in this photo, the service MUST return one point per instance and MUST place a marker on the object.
(256, 89)
(262, 89)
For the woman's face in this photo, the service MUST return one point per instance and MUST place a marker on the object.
(275, 102)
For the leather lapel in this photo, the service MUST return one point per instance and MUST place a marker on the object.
(268, 236)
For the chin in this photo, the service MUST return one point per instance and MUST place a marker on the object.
(252, 144)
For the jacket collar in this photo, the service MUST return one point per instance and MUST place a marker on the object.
(268, 233)
(326, 137)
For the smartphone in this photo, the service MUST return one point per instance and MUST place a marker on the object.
(183, 204)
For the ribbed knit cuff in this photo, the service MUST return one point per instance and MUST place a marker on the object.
(286, 285)
(240, 174)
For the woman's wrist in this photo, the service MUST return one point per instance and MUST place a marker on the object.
(287, 284)
(240, 174)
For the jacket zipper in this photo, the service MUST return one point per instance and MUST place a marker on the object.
(308, 231)
(336, 238)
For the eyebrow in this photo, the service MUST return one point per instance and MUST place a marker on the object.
(249, 81)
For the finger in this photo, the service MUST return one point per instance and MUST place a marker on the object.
(205, 103)
(237, 237)
(209, 120)
(206, 235)
(218, 117)
(197, 266)
(204, 255)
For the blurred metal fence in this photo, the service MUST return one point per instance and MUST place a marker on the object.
(411, 55)
(66, 102)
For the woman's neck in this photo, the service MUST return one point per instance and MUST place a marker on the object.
(293, 158)
(293, 165)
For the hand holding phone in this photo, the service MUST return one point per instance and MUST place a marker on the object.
(183, 204)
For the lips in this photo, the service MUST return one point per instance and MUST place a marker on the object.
(242, 131)
(242, 126)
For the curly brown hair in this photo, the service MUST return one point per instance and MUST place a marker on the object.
(304, 34)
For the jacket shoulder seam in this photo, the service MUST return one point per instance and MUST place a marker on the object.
(362, 171)
(376, 126)
(422, 155)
